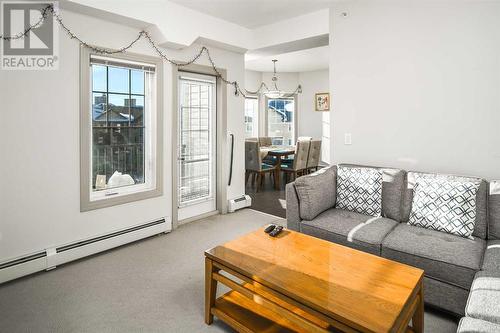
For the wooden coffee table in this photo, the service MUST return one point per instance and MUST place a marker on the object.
(298, 283)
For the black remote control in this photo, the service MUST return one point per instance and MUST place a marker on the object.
(269, 228)
(276, 231)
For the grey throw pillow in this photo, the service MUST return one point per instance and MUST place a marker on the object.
(444, 203)
(316, 192)
(359, 190)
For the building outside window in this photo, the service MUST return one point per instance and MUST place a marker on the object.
(251, 117)
(122, 128)
(281, 120)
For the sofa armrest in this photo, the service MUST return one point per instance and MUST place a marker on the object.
(494, 210)
(292, 208)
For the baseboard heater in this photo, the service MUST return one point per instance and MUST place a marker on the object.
(50, 258)
(239, 203)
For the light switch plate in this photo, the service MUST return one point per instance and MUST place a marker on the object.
(347, 139)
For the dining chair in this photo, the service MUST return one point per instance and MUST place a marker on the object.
(255, 167)
(298, 165)
(314, 155)
(300, 138)
(265, 141)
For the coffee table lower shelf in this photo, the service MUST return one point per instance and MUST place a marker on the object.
(244, 315)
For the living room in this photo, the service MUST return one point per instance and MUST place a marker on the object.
(125, 210)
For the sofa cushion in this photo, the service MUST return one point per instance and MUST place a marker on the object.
(351, 229)
(483, 302)
(491, 261)
(448, 258)
(481, 223)
(394, 182)
(359, 190)
(444, 204)
(494, 209)
(393, 187)
(316, 192)
(472, 325)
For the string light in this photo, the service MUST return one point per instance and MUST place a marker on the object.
(142, 34)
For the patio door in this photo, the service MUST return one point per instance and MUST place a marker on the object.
(197, 169)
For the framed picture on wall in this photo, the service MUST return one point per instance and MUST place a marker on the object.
(322, 101)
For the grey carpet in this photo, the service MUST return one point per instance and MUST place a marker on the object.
(154, 285)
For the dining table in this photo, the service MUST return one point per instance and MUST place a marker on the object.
(280, 152)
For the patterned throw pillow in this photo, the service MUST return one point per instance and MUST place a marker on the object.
(359, 190)
(444, 203)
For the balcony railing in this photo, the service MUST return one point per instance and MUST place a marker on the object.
(125, 158)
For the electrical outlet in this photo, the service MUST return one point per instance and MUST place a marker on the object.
(347, 139)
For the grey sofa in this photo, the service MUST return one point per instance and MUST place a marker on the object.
(450, 262)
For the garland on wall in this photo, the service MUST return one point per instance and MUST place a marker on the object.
(51, 11)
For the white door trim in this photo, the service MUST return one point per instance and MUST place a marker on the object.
(222, 155)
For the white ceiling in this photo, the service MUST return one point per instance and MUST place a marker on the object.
(300, 61)
(254, 13)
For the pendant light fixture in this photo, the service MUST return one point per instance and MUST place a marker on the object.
(276, 92)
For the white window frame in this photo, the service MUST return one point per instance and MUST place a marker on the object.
(153, 136)
(255, 122)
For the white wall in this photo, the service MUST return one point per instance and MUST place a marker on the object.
(309, 119)
(39, 147)
(311, 122)
(252, 80)
(417, 84)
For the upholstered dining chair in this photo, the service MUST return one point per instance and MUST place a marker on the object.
(254, 166)
(298, 165)
(314, 155)
(300, 138)
(265, 141)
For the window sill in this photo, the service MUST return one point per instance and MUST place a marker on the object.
(94, 202)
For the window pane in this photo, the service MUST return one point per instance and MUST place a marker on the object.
(118, 133)
(118, 110)
(196, 181)
(98, 78)
(118, 80)
(100, 166)
(251, 111)
(99, 109)
(137, 84)
(281, 121)
(136, 110)
(100, 136)
(194, 97)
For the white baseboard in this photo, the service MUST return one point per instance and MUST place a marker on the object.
(53, 257)
(26, 268)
